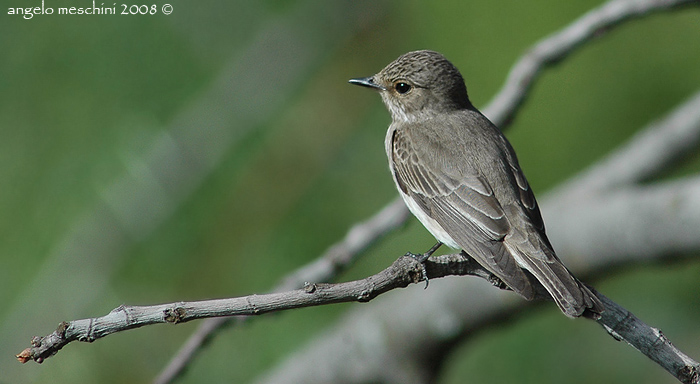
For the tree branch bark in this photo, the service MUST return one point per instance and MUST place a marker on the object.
(619, 322)
(401, 273)
(623, 325)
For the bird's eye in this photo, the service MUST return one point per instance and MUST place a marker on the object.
(402, 87)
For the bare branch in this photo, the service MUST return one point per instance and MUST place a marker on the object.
(204, 333)
(645, 155)
(335, 260)
(401, 273)
(552, 49)
(644, 221)
(623, 325)
(453, 308)
(619, 322)
(342, 254)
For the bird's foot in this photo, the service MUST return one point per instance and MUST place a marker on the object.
(422, 258)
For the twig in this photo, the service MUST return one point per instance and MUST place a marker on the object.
(401, 273)
(623, 325)
(560, 44)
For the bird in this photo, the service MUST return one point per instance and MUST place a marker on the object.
(459, 175)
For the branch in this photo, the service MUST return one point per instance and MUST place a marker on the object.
(438, 317)
(335, 260)
(623, 325)
(553, 49)
(401, 273)
(644, 156)
(619, 322)
(645, 221)
(607, 197)
(344, 253)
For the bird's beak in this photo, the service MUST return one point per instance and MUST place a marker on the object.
(367, 82)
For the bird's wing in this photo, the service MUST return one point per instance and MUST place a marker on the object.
(465, 207)
(528, 241)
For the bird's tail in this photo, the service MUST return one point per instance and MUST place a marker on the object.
(572, 296)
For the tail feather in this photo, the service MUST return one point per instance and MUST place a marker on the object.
(571, 296)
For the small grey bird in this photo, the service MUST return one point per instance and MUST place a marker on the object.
(459, 176)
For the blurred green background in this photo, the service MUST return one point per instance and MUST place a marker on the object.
(205, 154)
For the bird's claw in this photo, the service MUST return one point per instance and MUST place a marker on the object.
(421, 258)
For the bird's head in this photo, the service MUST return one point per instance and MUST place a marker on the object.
(417, 85)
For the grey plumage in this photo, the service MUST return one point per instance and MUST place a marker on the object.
(460, 177)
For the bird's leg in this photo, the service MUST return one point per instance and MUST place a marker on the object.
(422, 258)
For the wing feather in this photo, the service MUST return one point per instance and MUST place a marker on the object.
(466, 209)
